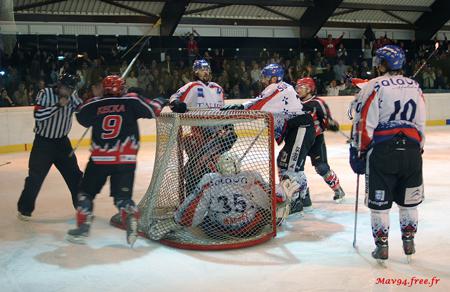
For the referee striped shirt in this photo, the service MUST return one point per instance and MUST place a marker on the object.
(53, 121)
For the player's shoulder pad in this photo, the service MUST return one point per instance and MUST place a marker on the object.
(208, 177)
(187, 86)
(214, 84)
(369, 88)
(270, 89)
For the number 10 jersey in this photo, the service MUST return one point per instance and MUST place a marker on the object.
(387, 106)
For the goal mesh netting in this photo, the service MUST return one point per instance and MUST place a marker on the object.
(213, 180)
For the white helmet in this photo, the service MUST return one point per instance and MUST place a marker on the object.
(228, 163)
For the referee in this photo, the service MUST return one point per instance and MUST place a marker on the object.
(53, 114)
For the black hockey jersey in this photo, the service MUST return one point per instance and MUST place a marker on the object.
(115, 131)
(319, 111)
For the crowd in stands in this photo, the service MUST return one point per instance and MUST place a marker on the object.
(24, 73)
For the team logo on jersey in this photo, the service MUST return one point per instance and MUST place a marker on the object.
(200, 92)
(285, 100)
(414, 195)
(379, 195)
(218, 90)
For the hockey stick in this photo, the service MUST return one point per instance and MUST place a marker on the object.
(6, 163)
(345, 135)
(356, 211)
(124, 74)
(251, 145)
(436, 47)
(157, 23)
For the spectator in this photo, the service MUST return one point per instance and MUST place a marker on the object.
(365, 70)
(217, 61)
(342, 52)
(5, 100)
(21, 96)
(31, 94)
(256, 72)
(235, 92)
(167, 64)
(367, 54)
(441, 80)
(333, 89)
(192, 47)
(340, 70)
(429, 77)
(329, 47)
(131, 80)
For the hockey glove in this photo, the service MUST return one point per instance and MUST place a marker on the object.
(232, 107)
(358, 163)
(333, 126)
(178, 106)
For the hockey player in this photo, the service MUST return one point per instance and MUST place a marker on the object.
(224, 202)
(306, 89)
(114, 147)
(388, 138)
(292, 125)
(203, 144)
(200, 93)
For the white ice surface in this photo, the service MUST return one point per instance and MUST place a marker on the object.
(313, 253)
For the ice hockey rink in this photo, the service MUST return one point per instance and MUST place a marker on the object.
(310, 253)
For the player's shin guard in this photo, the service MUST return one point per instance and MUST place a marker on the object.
(84, 220)
(380, 232)
(332, 181)
(409, 218)
(129, 214)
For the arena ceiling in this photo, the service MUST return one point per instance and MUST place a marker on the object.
(426, 17)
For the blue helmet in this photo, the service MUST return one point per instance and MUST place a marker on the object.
(393, 55)
(273, 70)
(200, 64)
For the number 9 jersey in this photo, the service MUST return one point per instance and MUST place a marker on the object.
(115, 132)
(387, 106)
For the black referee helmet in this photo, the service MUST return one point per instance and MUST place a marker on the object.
(68, 80)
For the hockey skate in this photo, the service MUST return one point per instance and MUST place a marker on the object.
(381, 252)
(339, 195)
(79, 234)
(130, 216)
(23, 217)
(408, 245)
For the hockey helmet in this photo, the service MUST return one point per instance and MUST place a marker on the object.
(201, 64)
(273, 70)
(307, 82)
(228, 163)
(393, 55)
(113, 85)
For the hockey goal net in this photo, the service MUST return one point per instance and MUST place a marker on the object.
(213, 181)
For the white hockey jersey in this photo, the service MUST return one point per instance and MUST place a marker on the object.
(386, 106)
(230, 201)
(281, 100)
(200, 95)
